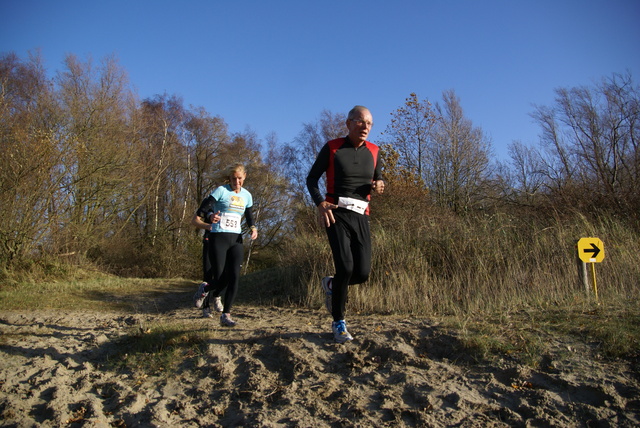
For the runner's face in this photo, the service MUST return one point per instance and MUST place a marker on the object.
(237, 180)
(359, 126)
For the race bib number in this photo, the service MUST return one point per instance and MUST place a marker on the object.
(353, 204)
(230, 222)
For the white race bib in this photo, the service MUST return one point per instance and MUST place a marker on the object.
(353, 204)
(230, 222)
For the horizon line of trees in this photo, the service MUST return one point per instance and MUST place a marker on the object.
(87, 170)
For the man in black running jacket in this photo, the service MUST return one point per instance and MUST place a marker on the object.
(353, 171)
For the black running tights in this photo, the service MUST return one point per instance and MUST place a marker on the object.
(225, 253)
(350, 241)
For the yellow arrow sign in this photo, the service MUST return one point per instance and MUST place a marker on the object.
(590, 250)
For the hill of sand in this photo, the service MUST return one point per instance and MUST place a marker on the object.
(280, 368)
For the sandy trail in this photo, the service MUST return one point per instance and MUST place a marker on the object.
(280, 368)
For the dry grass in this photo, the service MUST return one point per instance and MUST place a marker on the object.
(465, 265)
(159, 349)
(612, 330)
(98, 293)
(483, 274)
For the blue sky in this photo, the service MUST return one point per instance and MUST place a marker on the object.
(273, 65)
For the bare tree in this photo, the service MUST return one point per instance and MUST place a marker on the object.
(411, 134)
(29, 156)
(96, 103)
(458, 157)
(591, 141)
(161, 158)
(524, 179)
(206, 137)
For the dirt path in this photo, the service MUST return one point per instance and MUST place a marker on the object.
(280, 368)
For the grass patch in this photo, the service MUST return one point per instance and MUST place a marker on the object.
(610, 331)
(613, 329)
(103, 293)
(160, 349)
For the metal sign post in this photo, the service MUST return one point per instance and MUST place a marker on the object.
(590, 250)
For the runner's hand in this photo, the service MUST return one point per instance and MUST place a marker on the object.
(378, 187)
(215, 217)
(325, 215)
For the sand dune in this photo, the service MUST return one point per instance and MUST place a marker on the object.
(280, 368)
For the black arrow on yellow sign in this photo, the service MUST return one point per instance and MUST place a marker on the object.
(594, 249)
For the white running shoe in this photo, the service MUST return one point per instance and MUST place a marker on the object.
(206, 313)
(340, 333)
(327, 283)
(226, 321)
(198, 298)
(217, 304)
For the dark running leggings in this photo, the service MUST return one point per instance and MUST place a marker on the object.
(222, 269)
(350, 241)
(206, 264)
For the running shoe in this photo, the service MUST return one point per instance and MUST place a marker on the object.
(217, 304)
(226, 321)
(206, 313)
(198, 298)
(327, 283)
(340, 333)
